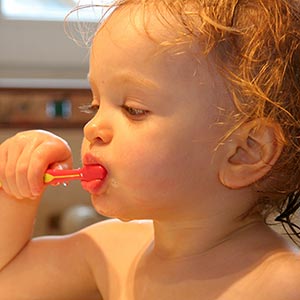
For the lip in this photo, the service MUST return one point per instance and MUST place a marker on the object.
(90, 159)
(93, 186)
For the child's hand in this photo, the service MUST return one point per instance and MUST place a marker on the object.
(24, 159)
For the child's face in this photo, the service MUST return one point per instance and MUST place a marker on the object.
(155, 128)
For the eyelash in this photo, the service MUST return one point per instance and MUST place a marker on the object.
(133, 113)
(89, 108)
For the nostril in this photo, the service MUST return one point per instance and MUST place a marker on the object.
(98, 129)
(104, 135)
(95, 141)
(98, 135)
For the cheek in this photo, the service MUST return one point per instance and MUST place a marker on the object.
(155, 165)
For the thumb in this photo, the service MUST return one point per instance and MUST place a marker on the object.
(61, 165)
(50, 154)
(54, 153)
(57, 154)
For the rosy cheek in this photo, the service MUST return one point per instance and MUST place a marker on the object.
(146, 169)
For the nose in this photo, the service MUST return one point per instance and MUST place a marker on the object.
(98, 130)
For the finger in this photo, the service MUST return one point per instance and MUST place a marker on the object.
(44, 155)
(9, 183)
(3, 160)
(22, 181)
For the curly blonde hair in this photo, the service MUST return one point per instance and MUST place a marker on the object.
(256, 47)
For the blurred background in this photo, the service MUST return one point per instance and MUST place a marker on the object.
(42, 85)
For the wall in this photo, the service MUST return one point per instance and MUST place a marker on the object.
(40, 49)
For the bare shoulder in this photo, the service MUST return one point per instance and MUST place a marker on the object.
(116, 231)
(282, 276)
(112, 248)
(112, 235)
(290, 275)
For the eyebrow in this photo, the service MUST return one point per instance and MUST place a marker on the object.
(138, 79)
(134, 78)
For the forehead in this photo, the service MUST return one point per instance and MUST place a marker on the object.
(131, 20)
(134, 36)
(176, 28)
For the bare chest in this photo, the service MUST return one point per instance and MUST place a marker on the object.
(186, 291)
(133, 286)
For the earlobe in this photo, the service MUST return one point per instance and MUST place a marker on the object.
(250, 152)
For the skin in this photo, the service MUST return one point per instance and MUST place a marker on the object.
(155, 131)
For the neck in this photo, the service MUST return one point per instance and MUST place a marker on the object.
(212, 222)
(183, 239)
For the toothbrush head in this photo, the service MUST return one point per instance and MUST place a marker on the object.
(93, 172)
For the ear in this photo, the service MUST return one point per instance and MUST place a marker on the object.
(250, 152)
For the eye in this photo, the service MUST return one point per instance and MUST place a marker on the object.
(89, 108)
(135, 113)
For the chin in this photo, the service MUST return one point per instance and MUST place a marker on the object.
(106, 212)
(109, 208)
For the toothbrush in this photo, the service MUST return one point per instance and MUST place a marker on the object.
(86, 173)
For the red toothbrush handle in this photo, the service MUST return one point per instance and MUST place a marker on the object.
(87, 173)
(55, 176)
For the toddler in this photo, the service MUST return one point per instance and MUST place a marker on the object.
(196, 109)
